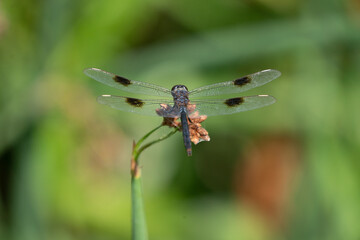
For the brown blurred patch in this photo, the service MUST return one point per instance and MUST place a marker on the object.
(265, 179)
(353, 9)
(4, 24)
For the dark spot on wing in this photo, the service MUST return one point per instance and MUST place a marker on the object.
(242, 81)
(135, 102)
(231, 102)
(122, 80)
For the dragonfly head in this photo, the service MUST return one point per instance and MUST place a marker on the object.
(179, 90)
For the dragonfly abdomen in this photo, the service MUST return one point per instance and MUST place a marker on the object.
(185, 132)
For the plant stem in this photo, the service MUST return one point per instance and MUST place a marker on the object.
(156, 141)
(139, 229)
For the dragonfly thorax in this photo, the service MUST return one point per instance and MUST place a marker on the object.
(180, 94)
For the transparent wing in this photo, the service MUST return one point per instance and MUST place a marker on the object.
(229, 106)
(150, 107)
(126, 85)
(238, 85)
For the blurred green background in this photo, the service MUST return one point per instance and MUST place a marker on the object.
(287, 171)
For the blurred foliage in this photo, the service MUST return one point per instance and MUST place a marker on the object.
(288, 171)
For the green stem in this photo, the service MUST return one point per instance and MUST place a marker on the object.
(139, 229)
(156, 141)
(147, 135)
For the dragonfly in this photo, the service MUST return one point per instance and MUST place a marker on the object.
(180, 103)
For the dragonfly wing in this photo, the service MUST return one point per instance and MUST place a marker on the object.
(236, 86)
(150, 107)
(126, 85)
(215, 107)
